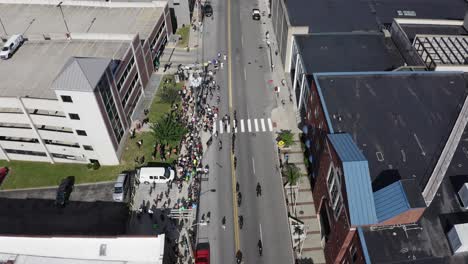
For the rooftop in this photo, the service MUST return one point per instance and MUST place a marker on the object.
(426, 241)
(42, 61)
(399, 120)
(348, 52)
(94, 250)
(34, 20)
(411, 30)
(78, 218)
(356, 15)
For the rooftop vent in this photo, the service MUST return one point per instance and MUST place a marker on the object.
(102, 250)
(463, 194)
(458, 238)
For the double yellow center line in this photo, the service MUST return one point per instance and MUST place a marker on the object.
(233, 173)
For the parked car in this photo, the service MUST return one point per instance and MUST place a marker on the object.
(202, 254)
(3, 173)
(11, 46)
(159, 174)
(208, 9)
(121, 187)
(255, 14)
(64, 190)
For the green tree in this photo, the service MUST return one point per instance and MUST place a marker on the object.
(287, 137)
(292, 174)
(169, 93)
(168, 131)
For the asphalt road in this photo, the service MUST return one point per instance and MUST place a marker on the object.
(246, 91)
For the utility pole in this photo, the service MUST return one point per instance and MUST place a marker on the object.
(63, 16)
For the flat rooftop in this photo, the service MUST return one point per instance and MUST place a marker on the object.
(83, 249)
(81, 17)
(426, 242)
(348, 52)
(35, 65)
(400, 121)
(355, 15)
(40, 217)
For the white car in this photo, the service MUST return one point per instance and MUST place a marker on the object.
(11, 46)
(161, 174)
(255, 14)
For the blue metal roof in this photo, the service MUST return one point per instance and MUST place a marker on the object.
(346, 148)
(357, 180)
(365, 251)
(391, 201)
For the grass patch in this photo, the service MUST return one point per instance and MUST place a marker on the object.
(158, 106)
(26, 174)
(184, 33)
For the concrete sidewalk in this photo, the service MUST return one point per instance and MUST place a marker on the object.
(286, 117)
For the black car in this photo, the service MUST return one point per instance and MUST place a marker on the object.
(64, 190)
(208, 9)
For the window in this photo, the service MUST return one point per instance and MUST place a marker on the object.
(25, 152)
(135, 83)
(74, 116)
(334, 192)
(353, 253)
(125, 73)
(111, 109)
(87, 147)
(66, 99)
(81, 132)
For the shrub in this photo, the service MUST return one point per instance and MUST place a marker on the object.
(287, 137)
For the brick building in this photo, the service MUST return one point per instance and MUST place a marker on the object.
(379, 143)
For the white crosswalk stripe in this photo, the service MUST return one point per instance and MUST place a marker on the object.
(259, 125)
(214, 127)
(220, 126)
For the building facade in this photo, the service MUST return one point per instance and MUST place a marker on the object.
(85, 111)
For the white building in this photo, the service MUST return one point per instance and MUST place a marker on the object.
(82, 250)
(68, 93)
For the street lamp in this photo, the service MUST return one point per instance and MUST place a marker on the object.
(210, 190)
(271, 57)
(3, 26)
(63, 16)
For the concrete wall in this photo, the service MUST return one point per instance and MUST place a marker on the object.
(93, 121)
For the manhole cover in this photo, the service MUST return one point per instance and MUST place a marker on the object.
(301, 212)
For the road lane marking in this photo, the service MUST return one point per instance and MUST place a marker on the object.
(220, 126)
(256, 125)
(228, 129)
(249, 127)
(242, 41)
(242, 125)
(233, 175)
(245, 75)
(270, 125)
(214, 128)
(253, 165)
(262, 121)
(261, 235)
(234, 125)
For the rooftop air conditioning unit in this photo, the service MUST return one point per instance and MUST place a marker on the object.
(463, 194)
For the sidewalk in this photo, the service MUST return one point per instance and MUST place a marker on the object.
(285, 117)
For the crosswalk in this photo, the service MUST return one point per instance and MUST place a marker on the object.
(250, 125)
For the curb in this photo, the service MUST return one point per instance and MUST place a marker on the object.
(53, 186)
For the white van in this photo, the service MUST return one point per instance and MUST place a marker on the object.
(11, 46)
(149, 175)
(121, 187)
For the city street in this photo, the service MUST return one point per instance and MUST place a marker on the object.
(246, 90)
